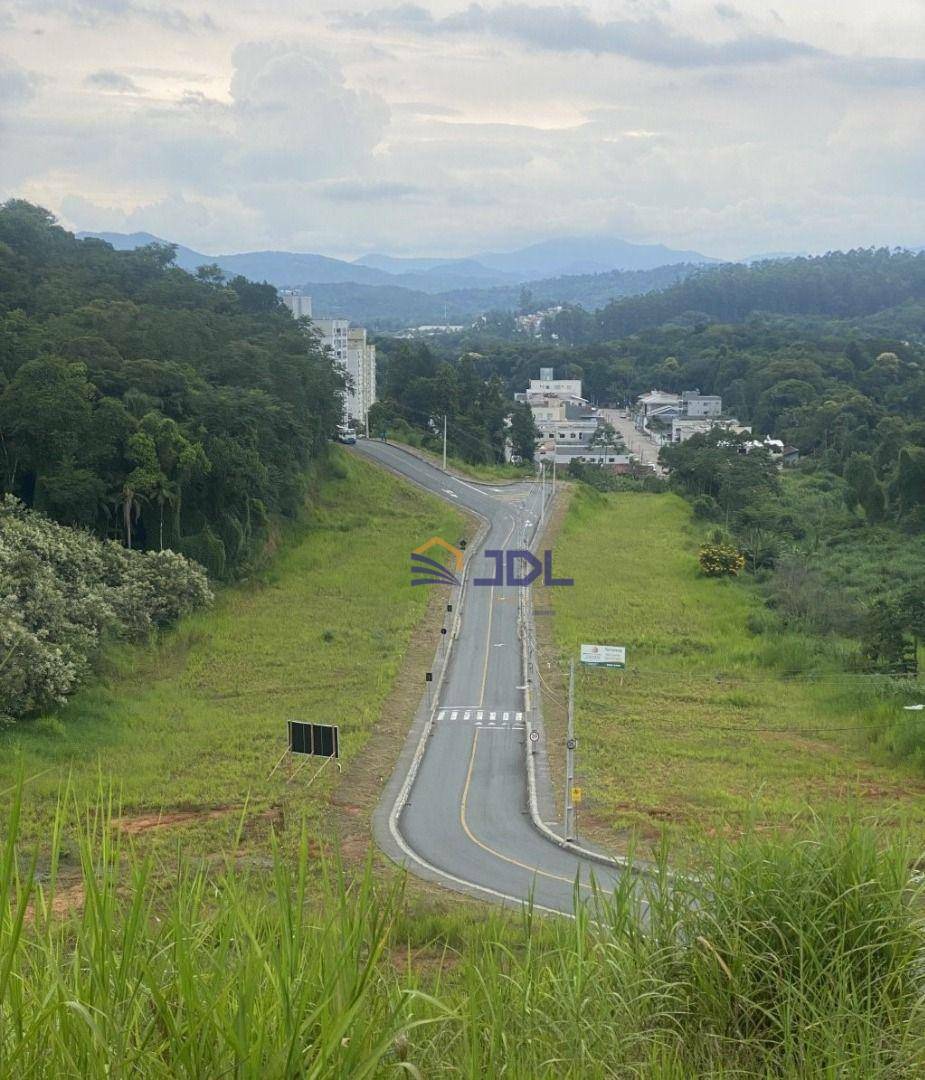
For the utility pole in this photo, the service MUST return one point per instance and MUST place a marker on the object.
(444, 442)
(570, 756)
(554, 474)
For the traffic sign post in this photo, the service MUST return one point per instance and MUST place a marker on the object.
(613, 656)
(609, 656)
(534, 739)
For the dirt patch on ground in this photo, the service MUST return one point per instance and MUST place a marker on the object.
(140, 823)
(427, 961)
(67, 899)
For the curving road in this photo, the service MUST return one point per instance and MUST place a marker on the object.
(464, 819)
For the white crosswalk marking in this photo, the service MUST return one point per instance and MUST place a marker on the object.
(505, 717)
(491, 716)
(453, 715)
(479, 715)
(520, 718)
(441, 714)
(466, 714)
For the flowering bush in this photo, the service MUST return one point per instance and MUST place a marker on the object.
(62, 593)
(721, 560)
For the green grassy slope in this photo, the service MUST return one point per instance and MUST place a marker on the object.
(706, 725)
(198, 720)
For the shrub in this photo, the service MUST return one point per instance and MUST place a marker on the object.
(704, 506)
(721, 560)
(63, 593)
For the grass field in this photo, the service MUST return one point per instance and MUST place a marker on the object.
(194, 723)
(708, 726)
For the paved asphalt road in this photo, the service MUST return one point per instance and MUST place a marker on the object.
(467, 817)
(644, 447)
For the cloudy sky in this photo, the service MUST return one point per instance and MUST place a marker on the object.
(346, 126)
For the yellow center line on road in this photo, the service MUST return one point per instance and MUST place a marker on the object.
(491, 606)
(491, 850)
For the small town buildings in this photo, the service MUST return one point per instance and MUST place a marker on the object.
(683, 427)
(562, 416)
(694, 404)
(660, 408)
(657, 405)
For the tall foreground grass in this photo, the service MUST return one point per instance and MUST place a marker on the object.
(786, 959)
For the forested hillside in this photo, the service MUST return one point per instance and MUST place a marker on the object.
(149, 405)
(389, 307)
(839, 285)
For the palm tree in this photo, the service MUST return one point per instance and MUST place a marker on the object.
(164, 492)
(131, 505)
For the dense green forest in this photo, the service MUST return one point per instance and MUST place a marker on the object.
(149, 405)
(853, 284)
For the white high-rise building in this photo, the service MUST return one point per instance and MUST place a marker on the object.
(334, 336)
(350, 349)
(361, 367)
(299, 305)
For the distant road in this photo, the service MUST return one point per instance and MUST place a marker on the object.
(466, 821)
(640, 445)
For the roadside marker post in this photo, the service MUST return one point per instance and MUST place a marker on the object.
(570, 744)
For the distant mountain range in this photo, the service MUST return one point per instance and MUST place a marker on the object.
(551, 258)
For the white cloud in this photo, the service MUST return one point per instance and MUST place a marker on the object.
(453, 128)
(294, 116)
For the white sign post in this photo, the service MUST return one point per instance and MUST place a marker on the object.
(604, 655)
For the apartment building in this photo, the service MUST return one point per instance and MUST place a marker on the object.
(361, 367)
(350, 349)
(299, 305)
(334, 336)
